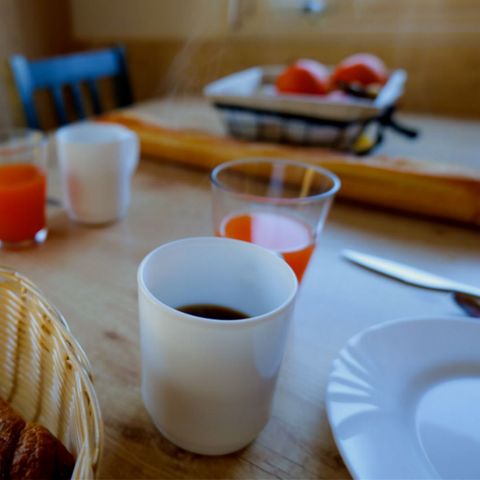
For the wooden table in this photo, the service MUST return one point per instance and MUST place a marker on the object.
(90, 274)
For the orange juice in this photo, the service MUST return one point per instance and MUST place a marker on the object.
(22, 202)
(289, 237)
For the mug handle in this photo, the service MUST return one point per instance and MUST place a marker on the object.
(135, 145)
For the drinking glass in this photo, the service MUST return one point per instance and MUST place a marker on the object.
(279, 204)
(23, 187)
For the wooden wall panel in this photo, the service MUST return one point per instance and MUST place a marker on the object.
(35, 28)
(444, 77)
(436, 41)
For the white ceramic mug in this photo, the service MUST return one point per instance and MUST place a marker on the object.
(97, 161)
(208, 384)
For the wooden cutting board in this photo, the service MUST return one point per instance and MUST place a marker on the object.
(414, 187)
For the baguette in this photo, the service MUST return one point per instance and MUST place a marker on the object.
(414, 187)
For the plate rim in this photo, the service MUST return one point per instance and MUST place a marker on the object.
(355, 338)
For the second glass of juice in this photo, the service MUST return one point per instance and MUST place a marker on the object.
(23, 187)
(279, 204)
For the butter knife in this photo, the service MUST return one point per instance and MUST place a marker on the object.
(467, 296)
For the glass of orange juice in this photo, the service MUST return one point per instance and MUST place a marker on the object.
(23, 187)
(279, 204)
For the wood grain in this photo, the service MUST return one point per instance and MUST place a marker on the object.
(414, 187)
(90, 275)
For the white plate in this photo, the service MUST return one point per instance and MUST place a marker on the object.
(403, 400)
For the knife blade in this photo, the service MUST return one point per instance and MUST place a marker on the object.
(407, 274)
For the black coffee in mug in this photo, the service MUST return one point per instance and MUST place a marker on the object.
(214, 312)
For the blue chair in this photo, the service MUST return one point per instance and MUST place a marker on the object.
(71, 71)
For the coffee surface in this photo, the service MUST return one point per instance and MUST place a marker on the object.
(214, 312)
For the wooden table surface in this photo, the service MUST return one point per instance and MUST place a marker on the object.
(90, 274)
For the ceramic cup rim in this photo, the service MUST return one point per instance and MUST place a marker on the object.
(90, 134)
(241, 323)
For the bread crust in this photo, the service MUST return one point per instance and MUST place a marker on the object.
(35, 455)
(29, 451)
(411, 186)
(11, 426)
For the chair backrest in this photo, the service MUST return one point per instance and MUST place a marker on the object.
(71, 71)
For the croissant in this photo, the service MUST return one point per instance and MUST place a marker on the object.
(29, 451)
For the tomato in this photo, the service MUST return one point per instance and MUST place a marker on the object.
(305, 77)
(362, 68)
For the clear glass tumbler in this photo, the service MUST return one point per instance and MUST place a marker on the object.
(279, 204)
(23, 187)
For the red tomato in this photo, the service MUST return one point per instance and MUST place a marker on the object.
(304, 76)
(362, 68)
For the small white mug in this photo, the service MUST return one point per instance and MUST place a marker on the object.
(208, 384)
(97, 161)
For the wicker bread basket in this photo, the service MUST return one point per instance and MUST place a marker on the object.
(44, 373)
